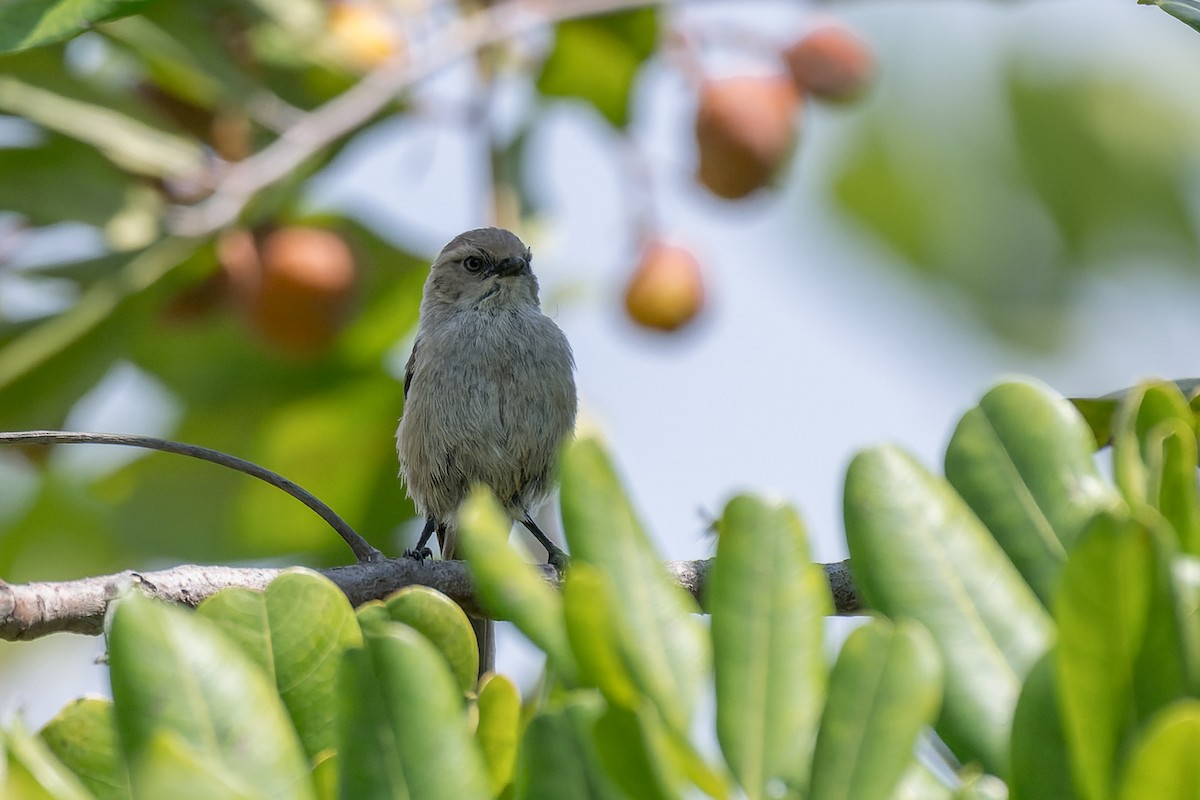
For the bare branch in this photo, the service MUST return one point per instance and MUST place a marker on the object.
(363, 550)
(33, 610)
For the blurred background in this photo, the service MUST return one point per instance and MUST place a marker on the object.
(996, 188)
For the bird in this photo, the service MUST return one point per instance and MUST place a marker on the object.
(489, 392)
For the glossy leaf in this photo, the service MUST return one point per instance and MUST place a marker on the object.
(443, 622)
(499, 730)
(1102, 613)
(403, 719)
(203, 699)
(83, 737)
(1022, 459)
(508, 585)
(301, 624)
(768, 602)
(633, 747)
(597, 59)
(1174, 481)
(664, 644)
(32, 23)
(1163, 762)
(1186, 11)
(1041, 763)
(884, 689)
(918, 551)
(1136, 453)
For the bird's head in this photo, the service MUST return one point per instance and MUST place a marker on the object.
(482, 268)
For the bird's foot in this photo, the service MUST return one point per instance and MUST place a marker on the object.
(419, 555)
(558, 559)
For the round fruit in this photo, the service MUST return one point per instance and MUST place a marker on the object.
(295, 289)
(744, 132)
(363, 32)
(666, 290)
(831, 63)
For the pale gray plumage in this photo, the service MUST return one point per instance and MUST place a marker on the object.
(489, 387)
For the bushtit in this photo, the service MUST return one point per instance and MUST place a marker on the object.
(489, 388)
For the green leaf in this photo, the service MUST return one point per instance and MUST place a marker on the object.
(499, 730)
(35, 176)
(920, 783)
(1174, 478)
(443, 622)
(1102, 613)
(84, 738)
(404, 722)
(633, 747)
(918, 551)
(201, 698)
(1186, 11)
(32, 23)
(666, 647)
(1098, 413)
(509, 587)
(33, 773)
(1022, 459)
(1041, 763)
(296, 630)
(589, 609)
(596, 59)
(557, 759)
(768, 602)
(1163, 763)
(1137, 453)
(1185, 578)
(885, 688)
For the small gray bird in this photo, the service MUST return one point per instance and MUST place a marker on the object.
(489, 388)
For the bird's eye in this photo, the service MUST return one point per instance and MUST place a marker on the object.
(473, 263)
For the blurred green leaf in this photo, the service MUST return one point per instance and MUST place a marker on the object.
(299, 627)
(1163, 761)
(202, 700)
(131, 144)
(83, 737)
(1098, 413)
(440, 620)
(404, 722)
(32, 23)
(918, 551)
(1022, 459)
(884, 689)
(1185, 578)
(589, 611)
(1102, 612)
(508, 585)
(920, 783)
(32, 772)
(768, 602)
(1041, 763)
(35, 177)
(499, 730)
(666, 648)
(1175, 481)
(557, 759)
(597, 59)
(633, 748)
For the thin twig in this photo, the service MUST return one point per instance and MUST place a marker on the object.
(347, 112)
(33, 610)
(363, 550)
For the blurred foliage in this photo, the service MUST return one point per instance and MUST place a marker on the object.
(1095, 170)
(1038, 616)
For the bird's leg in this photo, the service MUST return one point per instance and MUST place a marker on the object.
(555, 555)
(421, 552)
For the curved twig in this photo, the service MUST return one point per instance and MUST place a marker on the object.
(363, 550)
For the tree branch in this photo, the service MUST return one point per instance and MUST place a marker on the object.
(33, 610)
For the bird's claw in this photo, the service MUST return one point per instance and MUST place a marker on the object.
(559, 560)
(419, 555)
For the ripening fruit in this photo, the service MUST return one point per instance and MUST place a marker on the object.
(830, 63)
(363, 32)
(294, 287)
(666, 290)
(744, 131)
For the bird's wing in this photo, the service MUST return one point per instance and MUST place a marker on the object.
(410, 368)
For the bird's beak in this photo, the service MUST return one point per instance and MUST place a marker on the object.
(510, 266)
